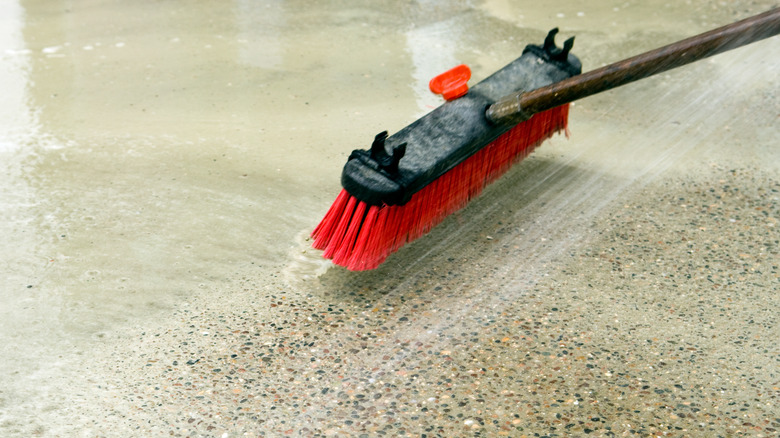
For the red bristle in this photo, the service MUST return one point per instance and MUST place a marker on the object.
(339, 232)
(375, 250)
(344, 252)
(360, 237)
(322, 234)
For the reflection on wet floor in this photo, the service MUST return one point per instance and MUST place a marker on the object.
(164, 162)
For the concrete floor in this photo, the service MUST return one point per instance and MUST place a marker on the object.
(165, 162)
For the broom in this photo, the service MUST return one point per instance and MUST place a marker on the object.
(407, 183)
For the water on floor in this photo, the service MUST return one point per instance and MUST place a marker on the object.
(164, 163)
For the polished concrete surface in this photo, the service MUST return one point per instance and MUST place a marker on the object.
(164, 163)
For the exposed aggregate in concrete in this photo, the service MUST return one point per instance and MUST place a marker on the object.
(664, 323)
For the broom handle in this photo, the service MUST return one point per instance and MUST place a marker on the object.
(520, 106)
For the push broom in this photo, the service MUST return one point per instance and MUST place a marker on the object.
(407, 183)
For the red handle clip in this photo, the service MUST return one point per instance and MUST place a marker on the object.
(453, 83)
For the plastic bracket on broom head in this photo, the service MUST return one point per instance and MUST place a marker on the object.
(374, 173)
(429, 147)
(551, 53)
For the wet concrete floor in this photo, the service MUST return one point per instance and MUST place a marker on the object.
(164, 163)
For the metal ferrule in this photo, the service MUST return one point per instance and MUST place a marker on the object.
(507, 111)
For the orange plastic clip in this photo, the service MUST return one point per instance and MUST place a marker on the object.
(453, 83)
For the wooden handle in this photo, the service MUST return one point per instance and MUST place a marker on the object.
(522, 105)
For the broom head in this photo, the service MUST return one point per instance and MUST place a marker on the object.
(437, 164)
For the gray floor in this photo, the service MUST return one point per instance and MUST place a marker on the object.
(164, 163)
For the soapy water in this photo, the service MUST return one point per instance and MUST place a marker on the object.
(305, 263)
